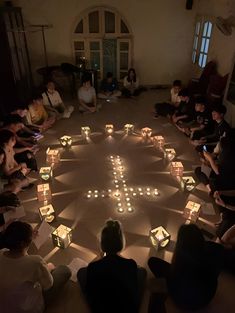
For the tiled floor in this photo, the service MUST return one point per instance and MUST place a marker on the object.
(86, 167)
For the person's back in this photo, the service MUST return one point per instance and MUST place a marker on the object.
(112, 285)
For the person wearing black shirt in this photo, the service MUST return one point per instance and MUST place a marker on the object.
(192, 276)
(184, 113)
(109, 88)
(112, 283)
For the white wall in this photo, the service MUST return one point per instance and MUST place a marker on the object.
(163, 33)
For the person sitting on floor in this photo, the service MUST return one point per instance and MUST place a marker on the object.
(221, 172)
(37, 115)
(168, 108)
(53, 102)
(192, 276)
(109, 88)
(27, 279)
(87, 96)
(24, 149)
(13, 171)
(184, 113)
(104, 279)
(204, 123)
(131, 84)
(221, 128)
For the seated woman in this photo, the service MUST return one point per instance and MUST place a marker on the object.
(87, 96)
(192, 276)
(13, 171)
(37, 115)
(168, 108)
(221, 171)
(27, 276)
(104, 279)
(131, 84)
(109, 88)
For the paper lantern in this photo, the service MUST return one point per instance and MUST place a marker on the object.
(159, 237)
(128, 129)
(146, 132)
(187, 183)
(192, 211)
(177, 169)
(47, 213)
(85, 132)
(43, 192)
(62, 236)
(109, 129)
(45, 173)
(66, 141)
(169, 154)
(158, 141)
(53, 156)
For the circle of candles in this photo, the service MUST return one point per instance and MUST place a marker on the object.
(125, 189)
(117, 193)
(116, 181)
(96, 191)
(124, 185)
(156, 193)
(111, 157)
(109, 190)
(121, 176)
(117, 186)
(148, 189)
(124, 181)
(141, 193)
(128, 204)
(88, 196)
(114, 173)
(148, 193)
(130, 209)
(119, 204)
(127, 199)
(118, 199)
(134, 194)
(140, 189)
(131, 189)
(96, 196)
(89, 191)
(126, 194)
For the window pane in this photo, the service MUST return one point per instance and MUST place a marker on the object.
(94, 45)
(209, 29)
(198, 25)
(206, 48)
(204, 60)
(205, 28)
(109, 22)
(124, 29)
(123, 61)
(194, 57)
(123, 74)
(195, 43)
(94, 22)
(79, 28)
(79, 45)
(78, 56)
(200, 59)
(124, 46)
(203, 45)
(95, 60)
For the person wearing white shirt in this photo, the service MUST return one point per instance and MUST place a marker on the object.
(53, 102)
(131, 84)
(27, 282)
(87, 96)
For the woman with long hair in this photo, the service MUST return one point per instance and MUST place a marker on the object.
(192, 276)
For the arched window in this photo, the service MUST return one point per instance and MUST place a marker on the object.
(103, 39)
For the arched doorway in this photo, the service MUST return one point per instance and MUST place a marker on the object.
(104, 40)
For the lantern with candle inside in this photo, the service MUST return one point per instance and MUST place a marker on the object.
(192, 211)
(47, 213)
(159, 237)
(43, 192)
(158, 141)
(146, 132)
(66, 141)
(45, 173)
(109, 129)
(187, 183)
(177, 169)
(169, 154)
(128, 129)
(85, 132)
(53, 156)
(62, 236)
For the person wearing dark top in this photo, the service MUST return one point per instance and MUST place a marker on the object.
(203, 119)
(112, 283)
(221, 176)
(192, 276)
(185, 111)
(109, 88)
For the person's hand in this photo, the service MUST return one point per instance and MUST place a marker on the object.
(207, 156)
(50, 266)
(25, 171)
(219, 201)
